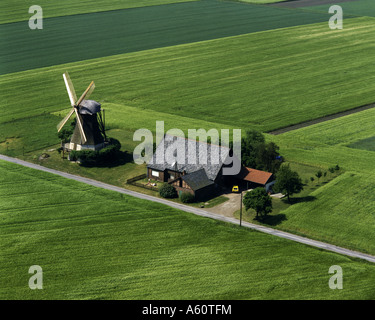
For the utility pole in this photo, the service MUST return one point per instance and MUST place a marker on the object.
(241, 210)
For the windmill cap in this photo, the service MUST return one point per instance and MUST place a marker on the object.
(89, 107)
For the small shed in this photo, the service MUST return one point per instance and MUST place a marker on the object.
(252, 178)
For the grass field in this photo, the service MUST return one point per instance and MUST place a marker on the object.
(203, 80)
(271, 77)
(342, 213)
(18, 10)
(105, 245)
(365, 144)
(121, 31)
(356, 8)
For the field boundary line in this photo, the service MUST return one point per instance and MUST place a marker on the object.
(329, 117)
(196, 211)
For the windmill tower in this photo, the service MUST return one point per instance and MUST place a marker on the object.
(89, 132)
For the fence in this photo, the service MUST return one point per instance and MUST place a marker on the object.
(133, 182)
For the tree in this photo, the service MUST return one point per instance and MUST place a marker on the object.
(65, 134)
(167, 191)
(259, 200)
(187, 197)
(249, 145)
(258, 154)
(288, 181)
(319, 174)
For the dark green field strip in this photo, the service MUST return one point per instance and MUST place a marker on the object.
(81, 37)
(267, 80)
(18, 10)
(354, 8)
(307, 3)
(119, 247)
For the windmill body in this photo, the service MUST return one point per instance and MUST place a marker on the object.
(89, 132)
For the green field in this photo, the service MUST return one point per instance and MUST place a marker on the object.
(104, 245)
(64, 39)
(365, 144)
(355, 8)
(203, 80)
(18, 10)
(340, 212)
(202, 64)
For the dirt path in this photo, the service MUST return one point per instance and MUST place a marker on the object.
(227, 208)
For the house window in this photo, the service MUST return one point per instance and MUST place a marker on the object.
(155, 173)
(171, 176)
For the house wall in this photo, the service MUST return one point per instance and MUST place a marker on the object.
(150, 176)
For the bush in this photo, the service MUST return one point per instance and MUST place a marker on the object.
(187, 197)
(167, 191)
(90, 157)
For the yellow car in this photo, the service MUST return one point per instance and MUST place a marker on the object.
(235, 189)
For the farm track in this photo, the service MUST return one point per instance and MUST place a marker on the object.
(321, 119)
(197, 211)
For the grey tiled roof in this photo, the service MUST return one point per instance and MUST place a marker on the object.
(197, 180)
(183, 149)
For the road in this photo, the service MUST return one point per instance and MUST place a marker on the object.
(197, 211)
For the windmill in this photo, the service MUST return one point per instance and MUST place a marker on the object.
(89, 132)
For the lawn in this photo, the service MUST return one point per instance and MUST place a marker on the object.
(121, 31)
(96, 244)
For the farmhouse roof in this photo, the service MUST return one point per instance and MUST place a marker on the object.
(197, 180)
(209, 157)
(253, 175)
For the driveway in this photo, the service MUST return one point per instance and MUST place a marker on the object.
(227, 208)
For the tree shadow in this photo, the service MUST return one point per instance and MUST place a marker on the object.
(273, 220)
(299, 200)
(119, 159)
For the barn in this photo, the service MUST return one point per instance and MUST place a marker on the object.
(250, 178)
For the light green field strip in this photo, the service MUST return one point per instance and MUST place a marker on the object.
(271, 79)
(342, 213)
(106, 245)
(340, 131)
(18, 10)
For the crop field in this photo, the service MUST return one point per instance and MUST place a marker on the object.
(192, 64)
(201, 80)
(121, 31)
(350, 8)
(119, 247)
(14, 10)
(365, 144)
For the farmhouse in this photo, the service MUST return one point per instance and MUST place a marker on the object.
(200, 174)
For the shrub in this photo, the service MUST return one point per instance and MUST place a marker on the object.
(90, 157)
(187, 197)
(167, 191)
